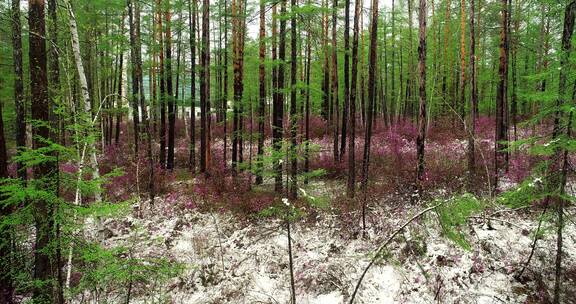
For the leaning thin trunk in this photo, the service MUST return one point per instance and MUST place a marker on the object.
(85, 95)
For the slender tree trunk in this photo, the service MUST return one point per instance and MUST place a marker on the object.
(393, 66)
(421, 139)
(169, 86)
(205, 87)
(346, 105)
(135, 114)
(277, 123)
(120, 83)
(292, 193)
(119, 100)
(238, 58)
(478, 61)
(85, 94)
(153, 74)
(561, 156)
(307, 105)
(225, 81)
(18, 85)
(192, 7)
(262, 92)
(514, 97)
(135, 83)
(335, 105)
(326, 69)
(221, 111)
(56, 123)
(501, 94)
(462, 104)
(410, 81)
(372, 100)
(473, 102)
(363, 78)
(446, 57)
(138, 88)
(179, 56)
(162, 156)
(352, 117)
(242, 116)
(6, 275)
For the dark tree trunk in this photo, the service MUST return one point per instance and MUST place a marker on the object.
(421, 139)
(118, 84)
(54, 64)
(335, 105)
(262, 92)
(473, 101)
(238, 62)
(192, 7)
(241, 38)
(134, 11)
(135, 81)
(363, 78)
(352, 131)
(561, 165)
(292, 193)
(135, 87)
(501, 94)
(514, 97)
(345, 106)
(446, 58)
(119, 93)
(179, 56)
(307, 105)
(40, 111)
(277, 123)
(6, 269)
(462, 85)
(205, 87)
(57, 133)
(225, 81)
(169, 87)
(370, 112)
(393, 66)
(18, 84)
(326, 69)
(408, 103)
(162, 75)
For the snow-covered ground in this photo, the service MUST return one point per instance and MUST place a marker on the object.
(238, 261)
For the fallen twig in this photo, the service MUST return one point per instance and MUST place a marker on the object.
(379, 251)
(497, 219)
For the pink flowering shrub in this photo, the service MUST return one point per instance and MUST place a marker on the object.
(521, 165)
(485, 127)
(221, 189)
(136, 172)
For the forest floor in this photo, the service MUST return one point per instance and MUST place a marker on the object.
(228, 259)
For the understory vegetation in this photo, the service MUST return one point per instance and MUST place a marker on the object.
(302, 151)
